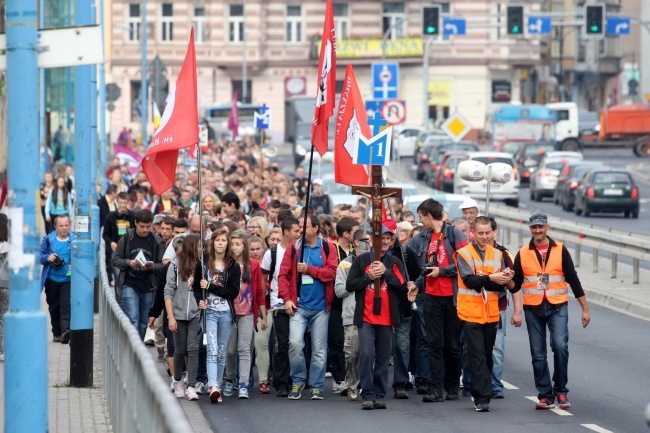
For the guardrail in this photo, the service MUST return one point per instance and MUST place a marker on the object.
(616, 242)
(138, 398)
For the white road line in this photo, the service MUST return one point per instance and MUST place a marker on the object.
(596, 428)
(507, 385)
(556, 410)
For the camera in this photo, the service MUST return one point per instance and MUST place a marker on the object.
(432, 264)
(58, 263)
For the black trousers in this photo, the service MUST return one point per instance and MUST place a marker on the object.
(335, 340)
(480, 342)
(57, 296)
(281, 370)
(443, 340)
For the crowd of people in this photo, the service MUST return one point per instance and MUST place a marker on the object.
(252, 276)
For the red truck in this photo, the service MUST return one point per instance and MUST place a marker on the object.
(623, 126)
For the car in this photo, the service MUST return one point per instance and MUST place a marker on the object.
(507, 192)
(444, 174)
(512, 146)
(544, 179)
(607, 190)
(440, 150)
(570, 175)
(422, 136)
(424, 162)
(527, 158)
(450, 203)
(404, 140)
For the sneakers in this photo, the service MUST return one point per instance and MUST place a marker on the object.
(215, 395)
(161, 354)
(344, 389)
(400, 393)
(316, 394)
(171, 385)
(264, 388)
(282, 393)
(184, 378)
(433, 398)
(498, 394)
(229, 389)
(353, 394)
(243, 390)
(367, 405)
(65, 337)
(336, 387)
(328, 374)
(563, 401)
(56, 339)
(191, 394)
(201, 388)
(178, 389)
(452, 394)
(379, 404)
(296, 392)
(545, 403)
(467, 392)
(421, 386)
(482, 407)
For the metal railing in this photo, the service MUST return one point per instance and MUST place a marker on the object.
(600, 239)
(138, 398)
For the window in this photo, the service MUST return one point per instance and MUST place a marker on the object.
(294, 25)
(166, 24)
(237, 85)
(135, 22)
(393, 18)
(199, 24)
(562, 114)
(236, 23)
(341, 20)
(136, 106)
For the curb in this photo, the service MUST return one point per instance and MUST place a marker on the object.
(622, 305)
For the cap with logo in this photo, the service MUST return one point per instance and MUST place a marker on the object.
(537, 219)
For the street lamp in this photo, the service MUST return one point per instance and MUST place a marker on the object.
(476, 171)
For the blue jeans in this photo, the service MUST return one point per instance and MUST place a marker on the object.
(498, 353)
(421, 347)
(375, 345)
(557, 319)
(317, 322)
(402, 344)
(136, 307)
(219, 325)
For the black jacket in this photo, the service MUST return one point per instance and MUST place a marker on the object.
(104, 210)
(409, 262)
(358, 281)
(228, 291)
(121, 261)
(110, 227)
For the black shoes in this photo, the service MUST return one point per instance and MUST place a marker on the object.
(433, 398)
(65, 337)
(400, 392)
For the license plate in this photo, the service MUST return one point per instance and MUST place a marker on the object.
(611, 191)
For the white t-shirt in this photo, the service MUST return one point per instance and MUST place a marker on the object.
(276, 302)
(216, 303)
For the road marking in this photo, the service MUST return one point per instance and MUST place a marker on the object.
(556, 410)
(596, 428)
(507, 385)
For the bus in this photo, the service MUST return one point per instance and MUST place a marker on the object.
(522, 124)
(217, 117)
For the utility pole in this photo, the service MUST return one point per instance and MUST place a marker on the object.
(144, 90)
(425, 82)
(25, 326)
(102, 106)
(83, 248)
(244, 84)
(94, 207)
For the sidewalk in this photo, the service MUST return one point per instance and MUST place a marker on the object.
(70, 410)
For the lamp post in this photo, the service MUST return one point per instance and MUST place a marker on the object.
(476, 171)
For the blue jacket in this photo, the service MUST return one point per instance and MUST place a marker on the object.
(46, 250)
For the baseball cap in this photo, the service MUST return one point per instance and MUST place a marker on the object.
(317, 182)
(537, 219)
(468, 204)
(388, 226)
(157, 219)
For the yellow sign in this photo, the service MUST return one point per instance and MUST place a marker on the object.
(371, 48)
(456, 127)
(440, 93)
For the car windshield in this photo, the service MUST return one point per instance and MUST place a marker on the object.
(612, 178)
(491, 159)
(534, 149)
(512, 147)
(554, 165)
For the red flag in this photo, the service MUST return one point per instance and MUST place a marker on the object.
(233, 119)
(179, 127)
(351, 120)
(326, 93)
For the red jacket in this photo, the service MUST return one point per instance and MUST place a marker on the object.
(258, 287)
(287, 280)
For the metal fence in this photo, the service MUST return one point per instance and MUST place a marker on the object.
(138, 398)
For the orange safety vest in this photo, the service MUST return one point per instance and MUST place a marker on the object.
(557, 291)
(471, 305)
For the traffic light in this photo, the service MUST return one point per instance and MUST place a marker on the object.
(431, 20)
(594, 19)
(515, 19)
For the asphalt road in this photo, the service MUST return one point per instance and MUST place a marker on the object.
(608, 384)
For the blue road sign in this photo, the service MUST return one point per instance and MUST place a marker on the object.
(618, 26)
(539, 25)
(374, 106)
(385, 80)
(262, 118)
(454, 26)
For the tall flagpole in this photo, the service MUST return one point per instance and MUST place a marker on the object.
(198, 164)
(304, 226)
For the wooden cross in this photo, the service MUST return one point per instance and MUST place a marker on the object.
(376, 193)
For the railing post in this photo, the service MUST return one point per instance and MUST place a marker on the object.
(635, 268)
(594, 260)
(614, 264)
(577, 256)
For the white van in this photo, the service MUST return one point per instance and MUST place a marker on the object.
(508, 192)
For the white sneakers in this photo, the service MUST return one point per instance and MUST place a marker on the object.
(191, 394)
(178, 389)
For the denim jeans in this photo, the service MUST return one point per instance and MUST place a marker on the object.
(443, 338)
(557, 319)
(421, 347)
(317, 321)
(498, 353)
(136, 308)
(219, 325)
(375, 346)
(402, 344)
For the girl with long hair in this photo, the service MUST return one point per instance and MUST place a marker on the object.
(181, 304)
(248, 305)
(221, 276)
(59, 202)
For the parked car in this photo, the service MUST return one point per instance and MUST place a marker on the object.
(450, 203)
(570, 175)
(443, 177)
(607, 190)
(508, 192)
(404, 140)
(439, 151)
(527, 157)
(544, 179)
(422, 137)
(424, 161)
(512, 147)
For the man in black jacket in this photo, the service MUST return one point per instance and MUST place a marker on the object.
(107, 203)
(116, 225)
